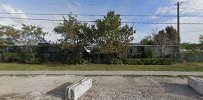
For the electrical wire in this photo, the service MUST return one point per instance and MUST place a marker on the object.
(59, 20)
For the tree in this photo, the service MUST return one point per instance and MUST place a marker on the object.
(70, 31)
(201, 39)
(8, 35)
(201, 42)
(30, 36)
(111, 36)
(168, 36)
(147, 41)
(75, 36)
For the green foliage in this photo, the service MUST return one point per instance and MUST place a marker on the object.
(11, 57)
(201, 39)
(148, 54)
(116, 61)
(83, 61)
(133, 62)
(32, 61)
(8, 35)
(147, 41)
(111, 36)
(31, 35)
(149, 61)
(168, 36)
(107, 36)
(191, 47)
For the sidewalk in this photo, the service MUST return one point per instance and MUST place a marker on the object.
(112, 73)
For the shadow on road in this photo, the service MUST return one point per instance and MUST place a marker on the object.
(59, 92)
(179, 89)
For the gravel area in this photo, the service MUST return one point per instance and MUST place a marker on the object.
(43, 87)
(35, 87)
(140, 88)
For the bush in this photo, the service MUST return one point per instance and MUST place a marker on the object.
(82, 61)
(149, 61)
(148, 54)
(32, 61)
(11, 57)
(116, 61)
(133, 62)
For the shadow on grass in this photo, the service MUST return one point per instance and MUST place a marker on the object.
(59, 92)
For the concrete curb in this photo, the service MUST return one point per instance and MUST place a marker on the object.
(196, 84)
(147, 73)
(74, 91)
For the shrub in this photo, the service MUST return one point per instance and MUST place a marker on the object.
(116, 61)
(133, 61)
(11, 57)
(149, 61)
(83, 61)
(148, 54)
(32, 61)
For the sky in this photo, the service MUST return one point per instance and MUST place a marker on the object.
(188, 32)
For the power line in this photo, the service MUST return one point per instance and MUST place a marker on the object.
(101, 15)
(89, 4)
(59, 20)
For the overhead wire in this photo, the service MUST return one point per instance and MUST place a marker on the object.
(101, 15)
(59, 20)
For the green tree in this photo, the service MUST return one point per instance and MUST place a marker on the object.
(111, 36)
(70, 31)
(30, 36)
(75, 36)
(8, 35)
(168, 36)
(201, 39)
(147, 41)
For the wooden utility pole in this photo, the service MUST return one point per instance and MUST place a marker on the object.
(178, 21)
(178, 27)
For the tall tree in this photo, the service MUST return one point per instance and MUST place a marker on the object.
(70, 31)
(31, 35)
(111, 36)
(168, 36)
(75, 36)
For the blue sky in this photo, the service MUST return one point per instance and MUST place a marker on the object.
(189, 33)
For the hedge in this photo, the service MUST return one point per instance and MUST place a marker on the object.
(149, 61)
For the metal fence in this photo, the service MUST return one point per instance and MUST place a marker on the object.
(192, 57)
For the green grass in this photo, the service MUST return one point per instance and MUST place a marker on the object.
(94, 67)
(198, 64)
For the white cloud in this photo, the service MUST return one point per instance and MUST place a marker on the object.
(189, 33)
(9, 9)
(12, 22)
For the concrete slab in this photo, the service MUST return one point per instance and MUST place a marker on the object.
(74, 91)
(196, 84)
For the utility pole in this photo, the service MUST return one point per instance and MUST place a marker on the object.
(178, 21)
(178, 27)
